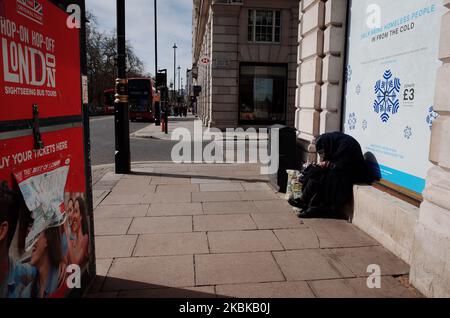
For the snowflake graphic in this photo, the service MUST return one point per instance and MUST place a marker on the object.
(432, 115)
(408, 132)
(348, 73)
(365, 124)
(387, 101)
(352, 120)
(358, 89)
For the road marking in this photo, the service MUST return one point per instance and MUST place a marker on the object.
(136, 133)
(102, 118)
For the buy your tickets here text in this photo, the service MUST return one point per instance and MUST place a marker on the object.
(24, 156)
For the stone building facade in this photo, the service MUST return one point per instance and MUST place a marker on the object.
(416, 230)
(418, 235)
(245, 60)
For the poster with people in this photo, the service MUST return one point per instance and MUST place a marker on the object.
(45, 221)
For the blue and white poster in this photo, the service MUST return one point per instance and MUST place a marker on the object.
(391, 72)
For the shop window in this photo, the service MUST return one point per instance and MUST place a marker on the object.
(264, 26)
(263, 90)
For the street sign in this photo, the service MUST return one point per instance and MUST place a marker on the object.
(161, 79)
(44, 186)
(205, 60)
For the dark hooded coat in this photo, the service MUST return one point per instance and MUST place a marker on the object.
(332, 187)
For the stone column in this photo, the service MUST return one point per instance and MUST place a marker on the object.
(292, 68)
(320, 70)
(225, 66)
(430, 265)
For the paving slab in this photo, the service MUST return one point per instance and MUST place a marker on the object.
(102, 266)
(98, 196)
(171, 244)
(138, 173)
(358, 288)
(266, 290)
(257, 196)
(256, 186)
(188, 293)
(177, 188)
(205, 223)
(121, 211)
(168, 197)
(143, 170)
(358, 259)
(221, 187)
(215, 196)
(140, 181)
(312, 264)
(152, 225)
(175, 209)
(150, 273)
(123, 199)
(214, 269)
(114, 246)
(339, 233)
(297, 239)
(270, 221)
(243, 241)
(239, 207)
(135, 189)
(170, 180)
(111, 176)
(209, 180)
(171, 169)
(272, 206)
(112, 226)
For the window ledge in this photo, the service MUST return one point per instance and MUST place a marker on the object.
(227, 2)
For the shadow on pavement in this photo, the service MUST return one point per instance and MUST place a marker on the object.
(109, 287)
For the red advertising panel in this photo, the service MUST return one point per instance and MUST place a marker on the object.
(46, 245)
(43, 202)
(39, 61)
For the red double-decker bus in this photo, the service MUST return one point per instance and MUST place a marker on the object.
(142, 97)
(108, 101)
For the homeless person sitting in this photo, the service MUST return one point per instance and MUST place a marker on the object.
(328, 185)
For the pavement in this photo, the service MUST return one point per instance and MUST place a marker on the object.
(206, 231)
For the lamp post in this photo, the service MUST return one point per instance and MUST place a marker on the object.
(175, 69)
(121, 116)
(179, 80)
(156, 39)
(158, 110)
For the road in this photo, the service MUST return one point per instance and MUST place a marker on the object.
(103, 143)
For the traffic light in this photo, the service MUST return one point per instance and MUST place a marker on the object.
(161, 79)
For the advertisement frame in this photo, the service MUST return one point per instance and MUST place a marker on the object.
(11, 129)
(384, 185)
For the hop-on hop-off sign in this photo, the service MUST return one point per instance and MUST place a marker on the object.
(43, 191)
(40, 60)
